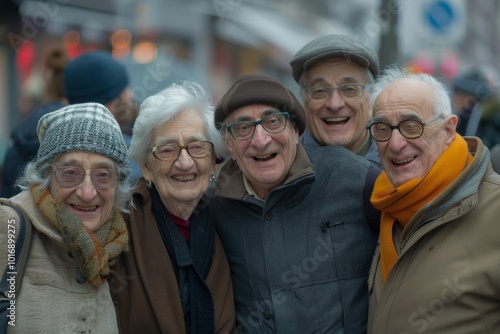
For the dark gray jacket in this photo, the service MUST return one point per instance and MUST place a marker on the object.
(371, 155)
(300, 260)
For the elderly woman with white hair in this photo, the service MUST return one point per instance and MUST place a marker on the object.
(175, 278)
(74, 194)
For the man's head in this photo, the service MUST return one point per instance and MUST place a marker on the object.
(336, 116)
(412, 123)
(469, 88)
(97, 77)
(261, 121)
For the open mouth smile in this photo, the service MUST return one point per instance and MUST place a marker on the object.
(84, 208)
(184, 178)
(264, 157)
(403, 162)
(336, 120)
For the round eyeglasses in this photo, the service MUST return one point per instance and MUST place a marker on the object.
(410, 129)
(196, 149)
(72, 176)
(272, 123)
(347, 92)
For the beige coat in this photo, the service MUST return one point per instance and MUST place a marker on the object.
(51, 300)
(447, 277)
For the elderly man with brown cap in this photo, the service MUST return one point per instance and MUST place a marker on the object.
(334, 73)
(294, 224)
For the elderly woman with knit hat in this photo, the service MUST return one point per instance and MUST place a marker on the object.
(175, 278)
(74, 193)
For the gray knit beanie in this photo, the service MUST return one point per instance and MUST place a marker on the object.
(87, 127)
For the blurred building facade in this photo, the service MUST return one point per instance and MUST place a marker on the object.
(213, 42)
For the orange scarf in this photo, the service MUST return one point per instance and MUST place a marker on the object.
(400, 204)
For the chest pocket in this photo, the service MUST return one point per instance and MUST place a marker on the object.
(352, 245)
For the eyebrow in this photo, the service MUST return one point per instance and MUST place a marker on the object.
(264, 114)
(405, 117)
(343, 81)
(76, 162)
(189, 139)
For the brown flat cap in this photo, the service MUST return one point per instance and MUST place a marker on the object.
(253, 89)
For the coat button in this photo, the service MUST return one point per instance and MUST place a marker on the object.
(266, 315)
(80, 279)
(269, 215)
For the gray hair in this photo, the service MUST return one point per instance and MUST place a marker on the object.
(442, 102)
(40, 174)
(163, 106)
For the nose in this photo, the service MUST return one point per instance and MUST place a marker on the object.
(335, 101)
(86, 189)
(184, 161)
(397, 140)
(261, 137)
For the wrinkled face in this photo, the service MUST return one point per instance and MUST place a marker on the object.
(333, 121)
(265, 159)
(92, 206)
(182, 181)
(406, 159)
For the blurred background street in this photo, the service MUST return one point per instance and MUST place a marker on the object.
(215, 41)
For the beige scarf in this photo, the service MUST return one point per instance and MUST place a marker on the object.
(95, 251)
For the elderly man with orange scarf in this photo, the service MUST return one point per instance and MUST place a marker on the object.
(437, 269)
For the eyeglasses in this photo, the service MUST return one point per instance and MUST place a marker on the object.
(273, 123)
(72, 176)
(347, 92)
(196, 149)
(410, 129)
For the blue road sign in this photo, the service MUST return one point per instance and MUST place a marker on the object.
(440, 15)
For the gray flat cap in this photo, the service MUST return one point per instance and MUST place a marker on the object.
(334, 46)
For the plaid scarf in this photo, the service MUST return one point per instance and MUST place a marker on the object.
(400, 204)
(94, 251)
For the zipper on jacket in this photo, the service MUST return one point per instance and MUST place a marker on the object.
(324, 225)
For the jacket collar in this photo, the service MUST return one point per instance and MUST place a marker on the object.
(459, 198)
(230, 182)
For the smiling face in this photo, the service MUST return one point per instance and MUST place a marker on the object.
(92, 206)
(406, 159)
(265, 159)
(182, 182)
(333, 121)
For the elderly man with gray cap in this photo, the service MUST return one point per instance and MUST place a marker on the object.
(334, 73)
(294, 224)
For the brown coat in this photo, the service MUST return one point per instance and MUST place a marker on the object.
(446, 279)
(144, 286)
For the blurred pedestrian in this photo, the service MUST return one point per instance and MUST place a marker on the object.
(74, 193)
(175, 278)
(437, 268)
(293, 221)
(96, 76)
(24, 144)
(469, 91)
(334, 73)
